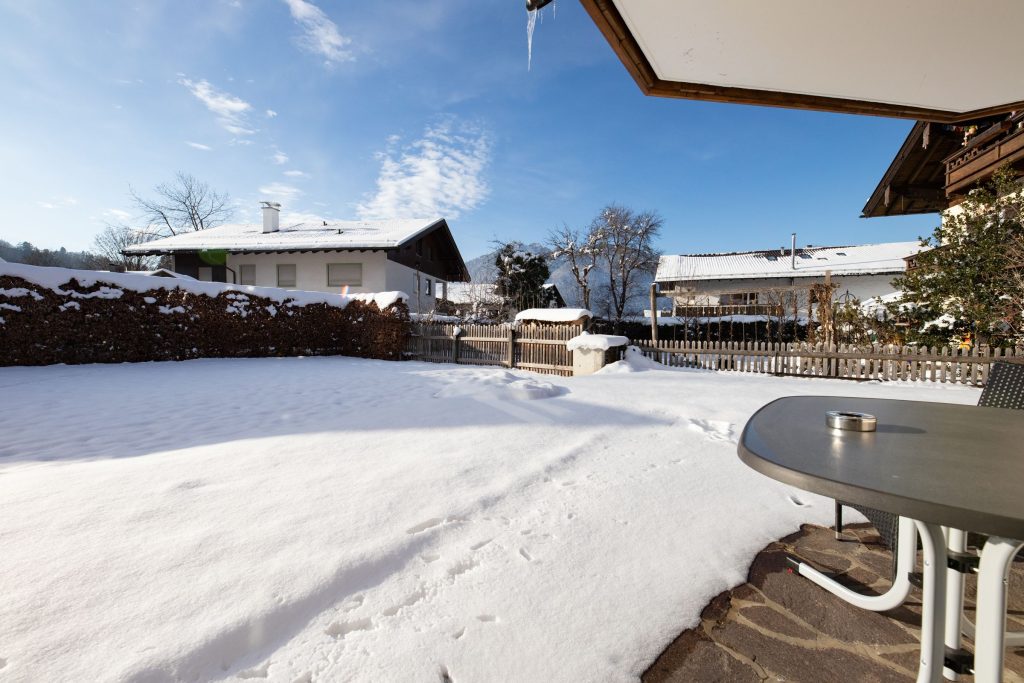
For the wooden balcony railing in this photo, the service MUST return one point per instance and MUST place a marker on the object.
(979, 159)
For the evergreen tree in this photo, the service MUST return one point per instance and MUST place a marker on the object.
(521, 276)
(964, 284)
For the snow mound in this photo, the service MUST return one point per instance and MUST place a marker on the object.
(501, 386)
(633, 360)
(595, 342)
(553, 315)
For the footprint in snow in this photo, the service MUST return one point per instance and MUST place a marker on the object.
(713, 430)
(340, 629)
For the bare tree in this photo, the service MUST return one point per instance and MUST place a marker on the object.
(182, 205)
(110, 244)
(580, 252)
(624, 242)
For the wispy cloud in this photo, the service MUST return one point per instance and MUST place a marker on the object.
(271, 113)
(118, 215)
(199, 145)
(280, 191)
(232, 112)
(293, 173)
(57, 203)
(441, 174)
(279, 157)
(320, 35)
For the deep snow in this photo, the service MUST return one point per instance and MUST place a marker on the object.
(327, 519)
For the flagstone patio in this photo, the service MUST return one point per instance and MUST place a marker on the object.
(781, 627)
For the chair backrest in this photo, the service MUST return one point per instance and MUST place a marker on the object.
(1005, 386)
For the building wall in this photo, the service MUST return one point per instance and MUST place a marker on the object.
(379, 273)
(712, 292)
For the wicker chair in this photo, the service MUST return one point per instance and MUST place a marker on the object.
(1004, 389)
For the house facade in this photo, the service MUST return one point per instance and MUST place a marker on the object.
(758, 282)
(415, 256)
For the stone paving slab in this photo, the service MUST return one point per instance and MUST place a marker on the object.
(780, 627)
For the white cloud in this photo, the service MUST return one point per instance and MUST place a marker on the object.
(441, 174)
(232, 112)
(271, 113)
(320, 35)
(280, 191)
(118, 215)
(199, 145)
(280, 157)
(293, 173)
(57, 203)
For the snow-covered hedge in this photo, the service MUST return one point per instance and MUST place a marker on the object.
(56, 315)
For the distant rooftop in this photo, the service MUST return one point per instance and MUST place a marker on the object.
(302, 236)
(864, 259)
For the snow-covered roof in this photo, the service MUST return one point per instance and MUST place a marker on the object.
(861, 259)
(473, 293)
(554, 315)
(322, 235)
(161, 272)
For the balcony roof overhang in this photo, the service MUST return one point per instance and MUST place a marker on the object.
(939, 61)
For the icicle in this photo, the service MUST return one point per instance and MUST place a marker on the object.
(531, 24)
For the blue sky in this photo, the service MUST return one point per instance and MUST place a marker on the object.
(350, 109)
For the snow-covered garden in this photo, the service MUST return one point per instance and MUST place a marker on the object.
(329, 519)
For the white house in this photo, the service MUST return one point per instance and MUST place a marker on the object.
(415, 256)
(774, 276)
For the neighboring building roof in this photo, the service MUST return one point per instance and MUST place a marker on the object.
(473, 293)
(161, 272)
(310, 236)
(862, 259)
(487, 293)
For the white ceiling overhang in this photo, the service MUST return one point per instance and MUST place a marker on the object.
(926, 59)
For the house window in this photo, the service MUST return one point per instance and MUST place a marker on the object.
(427, 289)
(286, 275)
(342, 274)
(739, 298)
(247, 274)
(206, 273)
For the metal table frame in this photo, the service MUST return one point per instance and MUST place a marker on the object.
(942, 622)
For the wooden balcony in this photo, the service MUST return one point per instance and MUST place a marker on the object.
(726, 310)
(1001, 144)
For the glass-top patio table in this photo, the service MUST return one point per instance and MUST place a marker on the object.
(938, 464)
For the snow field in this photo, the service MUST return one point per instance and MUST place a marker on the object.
(325, 519)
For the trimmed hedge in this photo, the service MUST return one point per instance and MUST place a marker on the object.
(105, 323)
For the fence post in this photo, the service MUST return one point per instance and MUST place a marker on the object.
(456, 343)
(511, 347)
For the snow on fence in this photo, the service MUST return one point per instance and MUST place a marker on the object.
(541, 348)
(878, 362)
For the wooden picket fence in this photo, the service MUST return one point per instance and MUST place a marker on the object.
(876, 362)
(540, 348)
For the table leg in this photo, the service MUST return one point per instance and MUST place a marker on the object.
(990, 630)
(933, 603)
(897, 593)
(956, 542)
